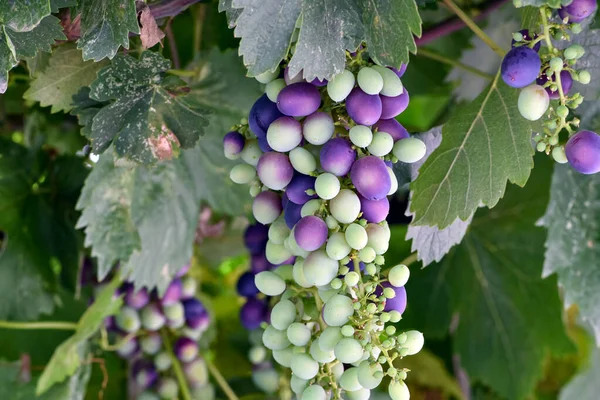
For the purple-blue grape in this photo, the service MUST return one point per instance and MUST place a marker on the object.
(173, 293)
(337, 156)
(370, 178)
(196, 315)
(578, 10)
(392, 127)
(583, 152)
(233, 144)
(299, 99)
(256, 237)
(566, 81)
(292, 214)
(398, 303)
(275, 170)
(528, 38)
(263, 145)
(145, 373)
(520, 67)
(259, 263)
(136, 299)
(111, 325)
(393, 106)
(261, 115)
(128, 349)
(245, 285)
(185, 349)
(296, 190)
(253, 313)
(310, 233)
(400, 72)
(374, 211)
(361, 265)
(363, 108)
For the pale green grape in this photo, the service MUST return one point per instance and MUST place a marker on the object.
(298, 272)
(283, 314)
(337, 248)
(298, 334)
(325, 292)
(291, 244)
(285, 272)
(351, 278)
(345, 207)
(584, 77)
(331, 222)
(251, 152)
(284, 356)
(276, 253)
(382, 144)
(266, 380)
(378, 238)
(320, 355)
(318, 128)
(367, 254)
(409, 150)
(347, 331)
(340, 86)
(338, 310)
(314, 392)
(302, 160)
(267, 76)
(398, 275)
(369, 375)
(304, 366)
(284, 137)
(163, 361)
(349, 380)
(128, 320)
(356, 236)
(362, 394)
(148, 396)
(242, 174)
(398, 391)
(348, 350)
(360, 135)
(337, 369)
(319, 269)
(533, 102)
(298, 384)
(327, 186)
(257, 354)
(274, 339)
(392, 85)
(369, 80)
(414, 342)
(273, 88)
(394, 186)
(329, 338)
(269, 283)
(265, 212)
(206, 392)
(558, 153)
(310, 207)
(278, 231)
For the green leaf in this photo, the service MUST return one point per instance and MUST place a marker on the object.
(530, 18)
(23, 15)
(67, 358)
(508, 317)
(147, 112)
(62, 79)
(389, 27)
(230, 11)
(585, 385)
(55, 5)
(105, 26)
(485, 144)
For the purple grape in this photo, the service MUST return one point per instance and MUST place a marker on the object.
(363, 108)
(256, 237)
(196, 315)
(145, 373)
(392, 127)
(259, 263)
(284, 200)
(393, 106)
(245, 285)
(370, 178)
(291, 214)
(319, 82)
(137, 299)
(528, 38)
(183, 270)
(185, 349)
(520, 67)
(262, 113)
(263, 145)
(337, 156)
(310, 233)
(397, 303)
(578, 10)
(566, 81)
(400, 72)
(111, 325)
(296, 190)
(253, 313)
(374, 211)
(583, 152)
(128, 349)
(275, 170)
(299, 99)
(233, 144)
(173, 293)
(361, 265)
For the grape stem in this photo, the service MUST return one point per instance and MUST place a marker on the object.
(214, 371)
(473, 26)
(106, 346)
(51, 325)
(410, 259)
(454, 63)
(185, 390)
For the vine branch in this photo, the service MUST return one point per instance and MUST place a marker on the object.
(214, 371)
(455, 63)
(185, 390)
(51, 325)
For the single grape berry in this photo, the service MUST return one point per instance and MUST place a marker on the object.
(296, 190)
(398, 302)
(527, 37)
(245, 285)
(583, 152)
(364, 109)
(533, 102)
(310, 233)
(337, 156)
(253, 313)
(298, 99)
(393, 106)
(275, 170)
(578, 10)
(284, 134)
(374, 210)
(255, 238)
(392, 127)
(233, 144)
(520, 67)
(185, 349)
(370, 177)
(262, 114)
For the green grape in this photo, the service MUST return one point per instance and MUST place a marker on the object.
(570, 53)
(347, 331)
(148, 396)
(349, 380)
(345, 207)
(320, 355)
(168, 388)
(558, 153)
(162, 361)
(360, 135)
(409, 150)
(302, 160)
(562, 111)
(327, 186)
(392, 85)
(361, 394)
(556, 64)
(351, 278)
(274, 339)
(273, 88)
(533, 102)
(389, 293)
(329, 338)
(314, 392)
(518, 37)
(368, 376)
(283, 314)
(310, 207)
(390, 329)
(584, 77)
(291, 244)
(331, 222)
(285, 272)
(337, 248)
(298, 384)
(242, 174)
(283, 356)
(278, 231)
(298, 273)
(398, 391)
(251, 152)
(325, 292)
(576, 28)
(276, 253)
(348, 350)
(356, 236)
(318, 128)
(267, 76)
(269, 283)
(304, 366)
(338, 310)
(398, 275)
(382, 144)
(395, 316)
(340, 86)
(319, 269)
(206, 392)
(266, 380)
(394, 181)
(257, 354)
(367, 254)
(541, 147)
(378, 238)
(369, 80)
(298, 334)
(128, 320)
(414, 342)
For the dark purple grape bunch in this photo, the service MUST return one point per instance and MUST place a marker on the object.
(149, 322)
(547, 73)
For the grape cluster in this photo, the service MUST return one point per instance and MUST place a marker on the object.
(148, 323)
(318, 156)
(547, 73)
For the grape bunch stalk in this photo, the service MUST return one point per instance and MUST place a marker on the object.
(547, 73)
(318, 156)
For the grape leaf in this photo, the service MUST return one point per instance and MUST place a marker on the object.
(485, 144)
(55, 5)
(65, 74)
(23, 15)
(525, 3)
(230, 11)
(146, 108)
(508, 316)
(105, 26)
(530, 18)
(584, 385)
(67, 357)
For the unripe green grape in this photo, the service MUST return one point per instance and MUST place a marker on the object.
(398, 391)
(276, 253)
(384, 317)
(331, 222)
(162, 361)
(574, 51)
(319, 269)
(356, 236)
(371, 269)
(553, 141)
(398, 275)
(292, 246)
(327, 186)
(304, 366)
(340, 86)
(392, 85)
(251, 152)
(390, 330)
(257, 354)
(298, 272)
(348, 350)
(338, 310)
(395, 316)
(382, 144)
(343, 270)
(283, 314)
(558, 154)
(541, 147)
(128, 320)
(576, 28)
(302, 160)
(314, 392)
(394, 186)
(274, 339)
(518, 37)
(319, 355)
(298, 384)
(414, 342)
(278, 231)
(310, 207)
(269, 283)
(367, 254)
(345, 207)
(168, 388)
(336, 284)
(360, 135)
(371, 308)
(298, 334)
(533, 102)
(368, 375)
(556, 64)
(584, 77)
(409, 150)
(242, 174)
(273, 88)
(267, 76)
(389, 293)
(266, 380)
(325, 292)
(255, 189)
(361, 394)
(349, 380)
(562, 111)
(369, 80)
(351, 278)
(329, 338)
(347, 331)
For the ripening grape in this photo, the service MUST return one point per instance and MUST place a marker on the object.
(152, 318)
(128, 320)
(360, 135)
(583, 152)
(262, 113)
(266, 207)
(318, 128)
(274, 170)
(296, 190)
(370, 177)
(337, 310)
(578, 10)
(255, 238)
(394, 106)
(381, 145)
(520, 67)
(327, 186)
(298, 99)
(345, 207)
(145, 373)
(369, 80)
(292, 212)
(284, 134)
(566, 80)
(374, 210)
(269, 283)
(363, 108)
(392, 127)
(304, 366)
(310, 233)
(185, 349)
(398, 302)
(409, 150)
(398, 391)
(340, 86)
(337, 156)
(233, 144)
(533, 102)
